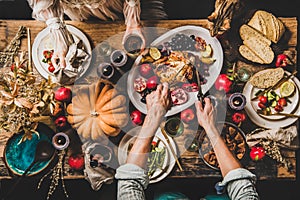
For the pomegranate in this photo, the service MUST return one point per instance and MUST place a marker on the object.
(223, 83)
(63, 94)
(136, 117)
(61, 122)
(257, 153)
(76, 162)
(187, 115)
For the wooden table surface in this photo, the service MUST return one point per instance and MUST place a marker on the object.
(191, 162)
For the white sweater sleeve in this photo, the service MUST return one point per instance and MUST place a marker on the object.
(43, 10)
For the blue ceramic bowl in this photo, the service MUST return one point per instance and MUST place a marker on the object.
(18, 156)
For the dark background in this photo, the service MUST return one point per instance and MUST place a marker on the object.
(193, 188)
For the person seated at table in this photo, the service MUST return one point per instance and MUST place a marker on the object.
(132, 177)
(52, 12)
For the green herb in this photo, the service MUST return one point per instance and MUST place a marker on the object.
(156, 159)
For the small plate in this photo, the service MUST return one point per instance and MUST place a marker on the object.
(290, 108)
(43, 42)
(169, 162)
(234, 138)
(264, 122)
(214, 69)
(18, 157)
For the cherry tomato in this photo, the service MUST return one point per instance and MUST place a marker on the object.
(261, 105)
(51, 68)
(282, 102)
(263, 99)
(278, 108)
(257, 153)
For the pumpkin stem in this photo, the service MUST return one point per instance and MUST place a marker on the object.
(94, 114)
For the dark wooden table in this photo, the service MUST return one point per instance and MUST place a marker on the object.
(192, 164)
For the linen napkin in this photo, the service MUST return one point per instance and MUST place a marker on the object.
(75, 60)
(96, 176)
(284, 137)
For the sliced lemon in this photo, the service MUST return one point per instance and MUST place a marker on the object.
(154, 53)
(147, 59)
(207, 52)
(287, 89)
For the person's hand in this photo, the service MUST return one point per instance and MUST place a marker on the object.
(137, 30)
(158, 102)
(60, 49)
(206, 114)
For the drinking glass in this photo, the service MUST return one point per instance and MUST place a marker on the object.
(173, 127)
(244, 74)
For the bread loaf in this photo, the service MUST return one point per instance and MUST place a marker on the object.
(247, 31)
(267, 24)
(258, 34)
(256, 47)
(267, 78)
(247, 53)
(261, 49)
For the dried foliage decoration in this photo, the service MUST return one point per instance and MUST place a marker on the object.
(23, 101)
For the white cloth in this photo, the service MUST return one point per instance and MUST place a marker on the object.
(283, 136)
(75, 60)
(103, 9)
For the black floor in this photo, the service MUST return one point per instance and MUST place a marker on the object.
(193, 188)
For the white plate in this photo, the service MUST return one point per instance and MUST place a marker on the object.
(262, 121)
(214, 69)
(43, 42)
(169, 159)
(290, 108)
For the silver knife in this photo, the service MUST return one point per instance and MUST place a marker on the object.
(200, 95)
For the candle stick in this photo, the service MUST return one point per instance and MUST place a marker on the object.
(29, 50)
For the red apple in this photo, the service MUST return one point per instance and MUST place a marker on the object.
(152, 82)
(223, 83)
(76, 162)
(187, 115)
(257, 153)
(136, 117)
(146, 70)
(61, 121)
(63, 94)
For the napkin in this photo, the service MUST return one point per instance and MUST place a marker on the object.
(75, 59)
(283, 136)
(95, 176)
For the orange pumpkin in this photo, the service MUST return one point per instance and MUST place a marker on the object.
(97, 111)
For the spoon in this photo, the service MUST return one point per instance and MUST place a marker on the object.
(44, 151)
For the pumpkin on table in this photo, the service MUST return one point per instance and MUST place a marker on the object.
(97, 111)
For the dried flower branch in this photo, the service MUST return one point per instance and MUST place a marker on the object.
(22, 99)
